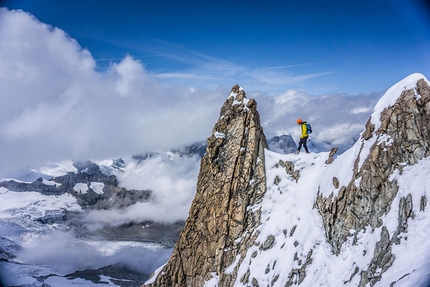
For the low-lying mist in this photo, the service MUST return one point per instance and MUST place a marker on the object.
(64, 252)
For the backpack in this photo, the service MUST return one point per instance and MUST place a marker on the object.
(308, 128)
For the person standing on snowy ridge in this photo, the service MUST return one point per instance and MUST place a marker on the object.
(303, 137)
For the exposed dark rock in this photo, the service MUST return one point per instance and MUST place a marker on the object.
(330, 159)
(290, 169)
(36, 185)
(53, 216)
(335, 182)
(297, 275)
(282, 144)
(145, 156)
(148, 231)
(268, 243)
(8, 248)
(118, 164)
(87, 166)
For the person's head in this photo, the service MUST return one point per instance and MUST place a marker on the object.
(299, 121)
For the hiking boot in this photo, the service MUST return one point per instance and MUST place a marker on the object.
(297, 152)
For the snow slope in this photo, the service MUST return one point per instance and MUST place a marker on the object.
(288, 214)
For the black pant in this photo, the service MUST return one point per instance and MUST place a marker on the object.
(303, 141)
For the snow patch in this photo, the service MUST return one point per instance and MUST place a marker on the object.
(232, 95)
(385, 139)
(34, 204)
(50, 182)
(81, 188)
(155, 274)
(58, 169)
(219, 135)
(97, 187)
(213, 282)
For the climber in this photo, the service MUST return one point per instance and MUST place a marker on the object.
(304, 136)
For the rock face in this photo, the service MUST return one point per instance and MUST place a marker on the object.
(398, 136)
(220, 226)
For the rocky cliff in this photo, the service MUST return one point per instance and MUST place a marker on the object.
(220, 226)
(396, 136)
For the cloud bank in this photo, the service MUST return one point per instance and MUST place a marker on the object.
(56, 105)
(170, 177)
(66, 253)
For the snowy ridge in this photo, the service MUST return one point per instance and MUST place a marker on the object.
(342, 167)
(293, 238)
(393, 93)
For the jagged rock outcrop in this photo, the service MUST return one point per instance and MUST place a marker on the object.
(220, 225)
(282, 144)
(399, 136)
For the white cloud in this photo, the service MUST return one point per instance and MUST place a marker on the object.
(130, 74)
(173, 183)
(360, 110)
(56, 106)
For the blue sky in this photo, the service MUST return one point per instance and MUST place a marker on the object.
(105, 79)
(318, 47)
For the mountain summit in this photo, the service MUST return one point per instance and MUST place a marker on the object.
(260, 218)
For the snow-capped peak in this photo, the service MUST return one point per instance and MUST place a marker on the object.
(392, 94)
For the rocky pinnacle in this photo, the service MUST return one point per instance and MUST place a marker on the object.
(220, 226)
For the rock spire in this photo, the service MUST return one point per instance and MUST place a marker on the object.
(221, 224)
